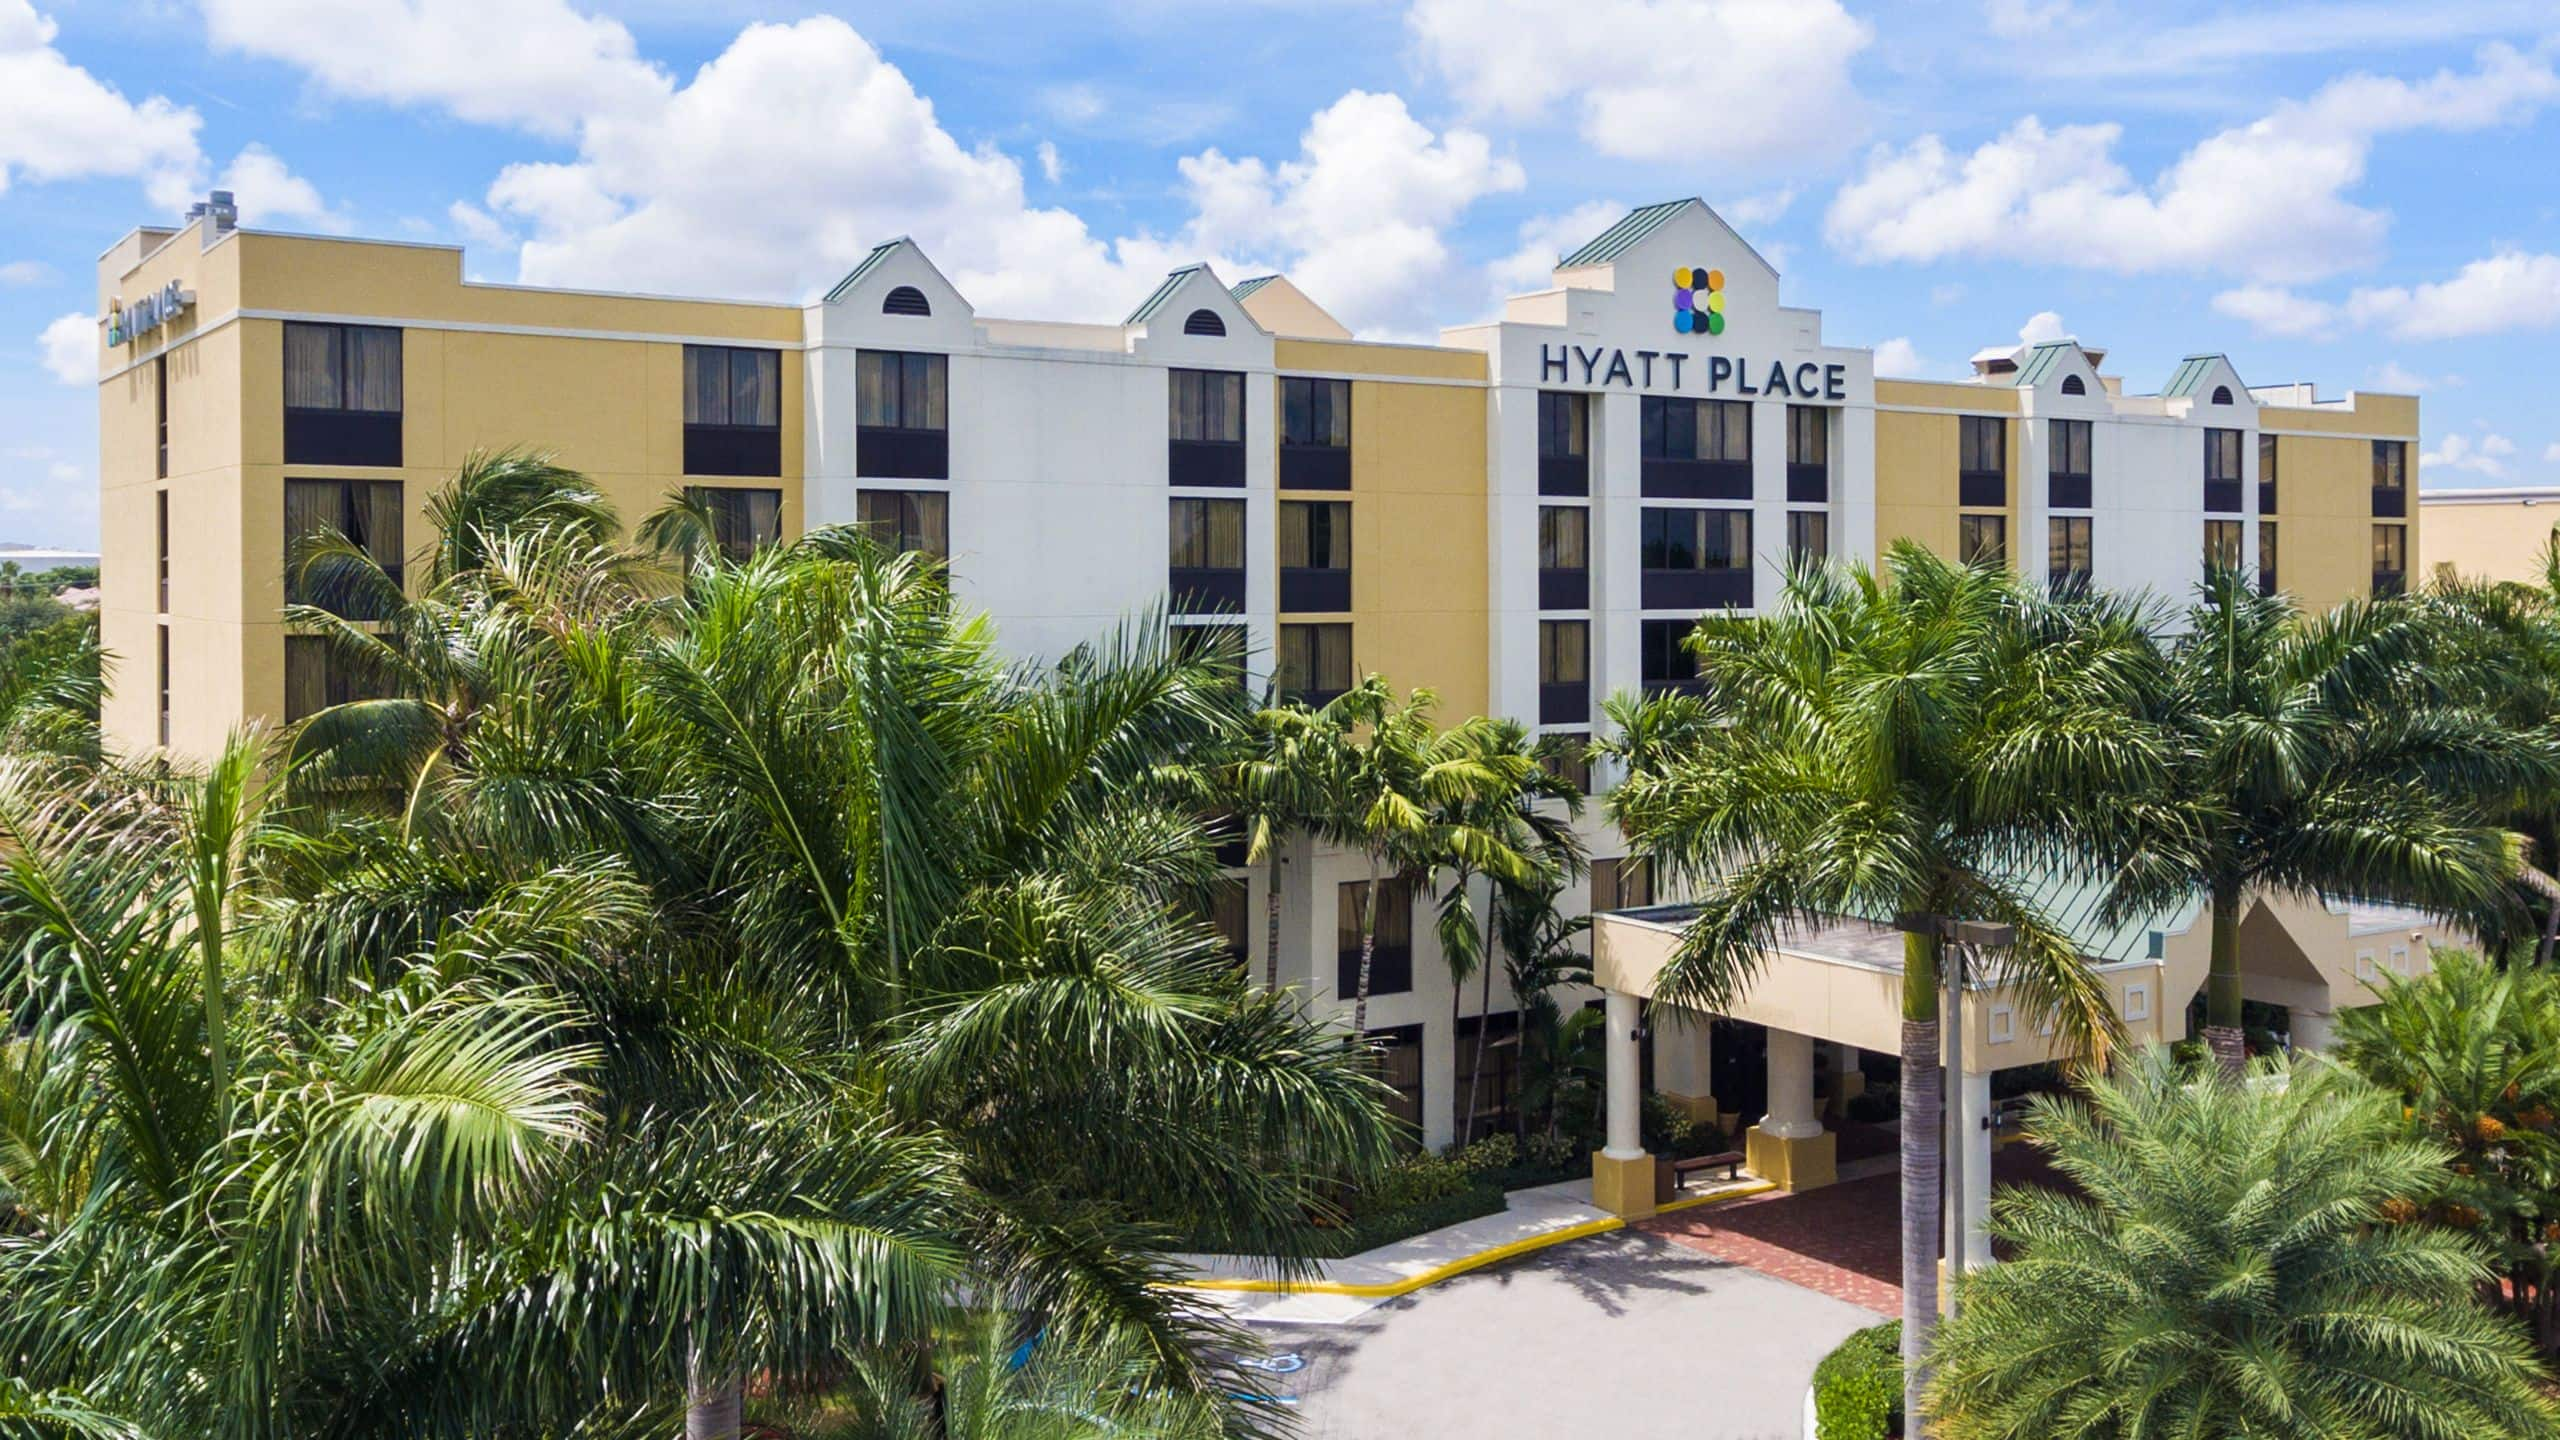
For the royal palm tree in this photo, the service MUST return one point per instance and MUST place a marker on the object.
(2496, 647)
(1268, 778)
(1930, 740)
(2323, 754)
(2228, 1265)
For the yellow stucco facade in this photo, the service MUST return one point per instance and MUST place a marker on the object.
(2490, 534)
(1918, 430)
(596, 380)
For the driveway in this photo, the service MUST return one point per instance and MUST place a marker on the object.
(1619, 1334)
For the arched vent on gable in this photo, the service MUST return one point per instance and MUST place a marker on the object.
(2074, 385)
(2221, 394)
(906, 300)
(1204, 322)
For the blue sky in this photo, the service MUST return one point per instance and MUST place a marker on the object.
(2361, 194)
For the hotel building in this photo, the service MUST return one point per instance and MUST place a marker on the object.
(1524, 517)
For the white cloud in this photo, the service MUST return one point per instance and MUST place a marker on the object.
(2553, 453)
(1899, 357)
(479, 227)
(268, 193)
(2266, 200)
(2019, 19)
(1545, 239)
(2394, 378)
(1760, 209)
(26, 272)
(1945, 295)
(2042, 326)
(534, 64)
(59, 122)
(2485, 456)
(1763, 83)
(2511, 290)
(69, 347)
(2276, 310)
(1051, 166)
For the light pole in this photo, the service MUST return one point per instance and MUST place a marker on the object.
(1960, 938)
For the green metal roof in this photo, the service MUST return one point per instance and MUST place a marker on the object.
(1149, 306)
(1618, 239)
(2191, 373)
(2040, 362)
(1245, 288)
(869, 263)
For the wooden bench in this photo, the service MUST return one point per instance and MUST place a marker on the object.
(1730, 1162)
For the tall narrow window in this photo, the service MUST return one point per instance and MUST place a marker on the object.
(368, 514)
(1207, 428)
(2390, 559)
(2267, 473)
(2067, 482)
(1808, 454)
(1564, 443)
(742, 521)
(160, 530)
(1315, 662)
(1696, 449)
(2390, 478)
(1567, 757)
(1982, 540)
(1808, 536)
(1315, 433)
(1664, 661)
(2267, 581)
(1564, 557)
(2222, 544)
(1315, 555)
(342, 394)
(1621, 884)
(732, 411)
(906, 520)
(1391, 939)
(1564, 672)
(2067, 560)
(2222, 471)
(902, 415)
(1206, 561)
(160, 402)
(163, 630)
(316, 679)
(1982, 460)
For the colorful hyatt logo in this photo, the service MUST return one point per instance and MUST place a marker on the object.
(1697, 300)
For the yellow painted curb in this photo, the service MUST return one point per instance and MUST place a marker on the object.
(1460, 1266)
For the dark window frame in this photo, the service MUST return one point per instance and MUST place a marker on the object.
(1315, 406)
(2268, 555)
(733, 518)
(2069, 537)
(1319, 639)
(1808, 454)
(1564, 442)
(338, 433)
(917, 527)
(1563, 586)
(1981, 437)
(1686, 448)
(1664, 663)
(160, 404)
(902, 422)
(1564, 645)
(727, 446)
(2390, 479)
(1391, 945)
(2222, 470)
(2270, 468)
(1800, 521)
(1969, 542)
(2223, 534)
(351, 514)
(2391, 579)
(2069, 464)
(1205, 574)
(1201, 458)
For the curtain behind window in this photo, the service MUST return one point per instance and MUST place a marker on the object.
(312, 367)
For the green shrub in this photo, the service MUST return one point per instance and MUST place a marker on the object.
(1370, 1229)
(1485, 1154)
(1414, 1180)
(1857, 1389)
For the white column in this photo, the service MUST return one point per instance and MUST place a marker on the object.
(1792, 1110)
(1968, 1108)
(2313, 1029)
(1626, 1099)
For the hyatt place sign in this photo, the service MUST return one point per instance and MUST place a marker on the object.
(125, 322)
(1576, 364)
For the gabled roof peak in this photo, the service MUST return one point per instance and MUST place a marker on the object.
(1618, 239)
(1164, 292)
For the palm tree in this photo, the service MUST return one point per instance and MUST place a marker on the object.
(1269, 780)
(1540, 953)
(1932, 740)
(998, 1387)
(2229, 1267)
(2496, 646)
(2319, 755)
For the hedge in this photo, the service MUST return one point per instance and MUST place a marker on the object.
(1368, 1232)
(1857, 1389)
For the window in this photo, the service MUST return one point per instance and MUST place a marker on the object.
(2222, 544)
(1624, 884)
(1564, 443)
(2074, 385)
(2391, 477)
(2222, 470)
(1564, 672)
(1567, 756)
(1207, 428)
(732, 410)
(1205, 557)
(1982, 540)
(902, 415)
(1488, 1070)
(1564, 557)
(160, 402)
(1315, 433)
(744, 521)
(1391, 946)
(1203, 322)
(2266, 474)
(316, 678)
(1694, 559)
(1808, 454)
(904, 520)
(906, 300)
(2067, 482)
(2390, 559)
(1219, 646)
(1315, 555)
(163, 630)
(2267, 582)
(2066, 560)
(2221, 394)
(160, 528)
(368, 513)
(1664, 655)
(1696, 449)
(1808, 536)
(1982, 460)
(341, 394)
(1315, 662)
(1399, 1055)
(1225, 911)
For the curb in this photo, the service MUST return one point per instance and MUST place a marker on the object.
(1389, 1290)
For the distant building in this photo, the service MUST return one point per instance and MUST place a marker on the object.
(2489, 534)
